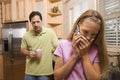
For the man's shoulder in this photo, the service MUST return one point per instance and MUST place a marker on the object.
(47, 29)
(28, 33)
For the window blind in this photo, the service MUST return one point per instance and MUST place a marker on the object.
(110, 10)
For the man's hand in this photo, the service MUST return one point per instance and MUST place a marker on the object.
(32, 54)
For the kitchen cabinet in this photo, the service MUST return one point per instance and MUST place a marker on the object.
(6, 9)
(9, 71)
(17, 10)
(14, 69)
(55, 16)
(1, 19)
(1, 67)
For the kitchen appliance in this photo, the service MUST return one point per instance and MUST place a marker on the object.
(14, 61)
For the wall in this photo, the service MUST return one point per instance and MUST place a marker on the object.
(70, 4)
(40, 8)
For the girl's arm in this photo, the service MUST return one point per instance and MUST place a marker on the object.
(62, 70)
(92, 71)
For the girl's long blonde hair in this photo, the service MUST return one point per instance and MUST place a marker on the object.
(100, 38)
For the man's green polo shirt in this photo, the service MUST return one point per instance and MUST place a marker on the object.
(45, 41)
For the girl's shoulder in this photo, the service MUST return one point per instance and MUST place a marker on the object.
(64, 41)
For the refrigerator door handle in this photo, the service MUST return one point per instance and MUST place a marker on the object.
(10, 43)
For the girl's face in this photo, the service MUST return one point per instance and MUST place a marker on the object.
(89, 29)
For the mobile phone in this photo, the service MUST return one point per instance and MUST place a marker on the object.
(77, 31)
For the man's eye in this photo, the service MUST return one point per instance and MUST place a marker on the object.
(33, 22)
(38, 21)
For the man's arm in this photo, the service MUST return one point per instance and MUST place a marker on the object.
(28, 53)
(25, 52)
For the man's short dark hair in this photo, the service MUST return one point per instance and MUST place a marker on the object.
(33, 13)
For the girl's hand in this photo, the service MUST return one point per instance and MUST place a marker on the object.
(75, 45)
(84, 45)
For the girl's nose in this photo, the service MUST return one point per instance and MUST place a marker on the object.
(88, 37)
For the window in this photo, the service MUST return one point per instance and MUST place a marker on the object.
(76, 10)
(110, 10)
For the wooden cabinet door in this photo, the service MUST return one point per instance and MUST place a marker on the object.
(6, 6)
(14, 68)
(17, 10)
(1, 67)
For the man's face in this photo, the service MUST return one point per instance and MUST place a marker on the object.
(36, 24)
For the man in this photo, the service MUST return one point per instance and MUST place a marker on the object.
(38, 38)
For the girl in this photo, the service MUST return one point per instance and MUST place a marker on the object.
(83, 55)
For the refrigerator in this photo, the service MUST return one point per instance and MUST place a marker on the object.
(13, 59)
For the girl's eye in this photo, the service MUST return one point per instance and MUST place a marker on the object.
(85, 32)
